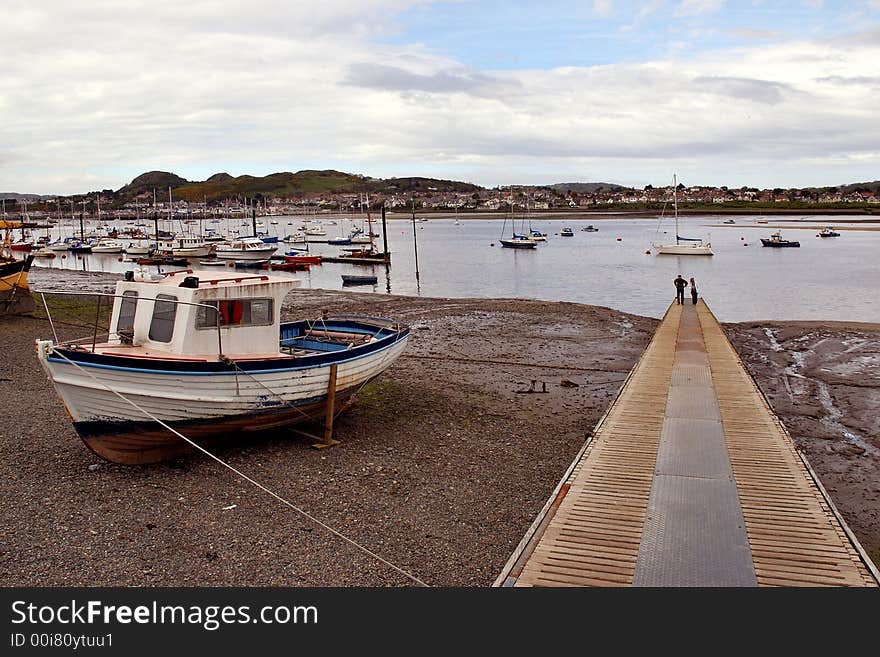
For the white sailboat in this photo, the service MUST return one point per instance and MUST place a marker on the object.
(683, 245)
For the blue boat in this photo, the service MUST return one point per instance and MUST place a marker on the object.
(349, 279)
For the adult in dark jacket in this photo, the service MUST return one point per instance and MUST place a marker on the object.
(693, 290)
(680, 284)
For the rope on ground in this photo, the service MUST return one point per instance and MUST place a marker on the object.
(305, 514)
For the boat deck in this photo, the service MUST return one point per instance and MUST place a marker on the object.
(689, 480)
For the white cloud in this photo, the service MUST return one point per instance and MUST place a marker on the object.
(93, 97)
(602, 8)
(694, 7)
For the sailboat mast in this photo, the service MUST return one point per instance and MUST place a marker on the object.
(675, 203)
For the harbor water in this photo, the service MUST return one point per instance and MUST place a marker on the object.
(825, 279)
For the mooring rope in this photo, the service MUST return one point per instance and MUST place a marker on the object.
(250, 480)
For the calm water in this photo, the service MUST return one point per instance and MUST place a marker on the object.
(828, 279)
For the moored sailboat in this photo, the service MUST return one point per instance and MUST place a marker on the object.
(683, 245)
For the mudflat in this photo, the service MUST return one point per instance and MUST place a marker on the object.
(444, 462)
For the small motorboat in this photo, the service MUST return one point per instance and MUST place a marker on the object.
(729, 221)
(302, 257)
(107, 245)
(828, 231)
(216, 262)
(566, 232)
(287, 266)
(537, 235)
(350, 279)
(776, 241)
(250, 264)
(590, 229)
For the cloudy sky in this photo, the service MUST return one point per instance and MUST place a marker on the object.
(758, 93)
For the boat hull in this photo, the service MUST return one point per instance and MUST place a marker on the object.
(15, 295)
(518, 244)
(203, 400)
(680, 249)
(780, 245)
(253, 254)
(132, 442)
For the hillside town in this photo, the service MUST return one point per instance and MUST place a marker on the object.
(109, 205)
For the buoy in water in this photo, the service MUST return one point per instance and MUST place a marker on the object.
(619, 239)
(119, 259)
(745, 243)
(648, 252)
(492, 244)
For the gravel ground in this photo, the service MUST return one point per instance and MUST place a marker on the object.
(443, 463)
(442, 467)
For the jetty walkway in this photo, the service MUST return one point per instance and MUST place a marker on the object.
(689, 479)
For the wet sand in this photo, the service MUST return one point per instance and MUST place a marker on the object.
(823, 380)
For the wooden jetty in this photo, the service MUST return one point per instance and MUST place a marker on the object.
(689, 479)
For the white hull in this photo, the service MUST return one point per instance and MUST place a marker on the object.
(107, 249)
(681, 249)
(192, 252)
(138, 250)
(178, 396)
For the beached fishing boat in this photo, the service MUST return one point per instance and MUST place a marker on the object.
(210, 358)
(15, 295)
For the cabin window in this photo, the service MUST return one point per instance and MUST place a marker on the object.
(235, 312)
(164, 310)
(125, 322)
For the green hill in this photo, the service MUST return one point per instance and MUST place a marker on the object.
(147, 182)
(284, 184)
(586, 188)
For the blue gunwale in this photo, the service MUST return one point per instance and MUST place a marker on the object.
(290, 331)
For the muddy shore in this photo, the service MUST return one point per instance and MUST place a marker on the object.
(443, 464)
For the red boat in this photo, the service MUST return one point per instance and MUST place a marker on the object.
(302, 258)
(22, 246)
(288, 266)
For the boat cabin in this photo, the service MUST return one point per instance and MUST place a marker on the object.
(190, 316)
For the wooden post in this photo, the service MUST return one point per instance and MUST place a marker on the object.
(330, 412)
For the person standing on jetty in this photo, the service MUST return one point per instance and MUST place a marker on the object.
(693, 290)
(680, 284)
